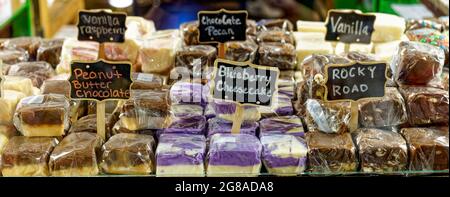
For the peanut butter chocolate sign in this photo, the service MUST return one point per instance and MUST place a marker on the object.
(355, 81)
(101, 26)
(222, 26)
(349, 27)
(100, 80)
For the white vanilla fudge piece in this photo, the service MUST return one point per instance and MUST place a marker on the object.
(20, 84)
(364, 48)
(74, 50)
(311, 26)
(309, 43)
(8, 105)
(388, 27)
(139, 28)
(386, 50)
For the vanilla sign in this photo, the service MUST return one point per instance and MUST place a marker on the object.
(349, 27)
(101, 26)
(244, 83)
(100, 80)
(355, 81)
(222, 26)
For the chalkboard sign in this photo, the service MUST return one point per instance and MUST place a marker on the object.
(100, 80)
(355, 81)
(101, 26)
(349, 27)
(222, 26)
(244, 83)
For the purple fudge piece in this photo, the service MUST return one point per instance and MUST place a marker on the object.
(187, 125)
(189, 93)
(291, 125)
(218, 125)
(234, 150)
(180, 149)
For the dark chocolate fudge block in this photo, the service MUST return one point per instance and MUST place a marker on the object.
(196, 56)
(50, 51)
(277, 55)
(29, 44)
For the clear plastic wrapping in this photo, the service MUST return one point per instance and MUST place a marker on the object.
(234, 155)
(89, 124)
(38, 72)
(128, 153)
(180, 155)
(157, 54)
(432, 37)
(24, 156)
(284, 154)
(226, 110)
(268, 24)
(183, 92)
(426, 105)
(189, 33)
(42, 115)
(190, 124)
(196, 57)
(331, 153)
(13, 56)
(291, 125)
(386, 111)
(281, 106)
(74, 50)
(50, 51)
(278, 55)
(278, 36)
(147, 81)
(241, 51)
(218, 125)
(428, 148)
(8, 103)
(29, 44)
(381, 151)
(181, 110)
(327, 117)
(126, 51)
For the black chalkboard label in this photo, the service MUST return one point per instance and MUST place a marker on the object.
(355, 81)
(222, 26)
(349, 27)
(100, 80)
(244, 83)
(101, 26)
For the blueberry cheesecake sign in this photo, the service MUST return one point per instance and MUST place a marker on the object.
(355, 81)
(244, 83)
(222, 26)
(349, 27)
(101, 26)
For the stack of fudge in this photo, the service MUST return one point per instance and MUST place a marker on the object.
(172, 127)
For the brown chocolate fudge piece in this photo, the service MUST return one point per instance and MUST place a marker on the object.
(25, 156)
(76, 155)
(147, 81)
(331, 153)
(13, 56)
(327, 117)
(426, 105)
(381, 150)
(279, 36)
(196, 55)
(50, 51)
(29, 44)
(56, 87)
(189, 33)
(127, 153)
(241, 51)
(277, 55)
(38, 72)
(89, 124)
(428, 148)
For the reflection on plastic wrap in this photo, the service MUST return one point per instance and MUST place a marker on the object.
(327, 117)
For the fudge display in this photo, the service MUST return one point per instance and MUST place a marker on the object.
(381, 150)
(128, 153)
(24, 156)
(189, 33)
(327, 117)
(74, 50)
(189, 93)
(13, 56)
(189, 124)
(428, 148)
(387, 111)
(291, 125)
(218, 125)
(29, 44)
(277, 55)
(157, 54)
(417, 63)
(180, 155)
(42, 115)
(309, 43)
(284, 154)
(225, 110)
(50, 51)
(426, 105)
(38, 72)
(147, 81)
(241, 51)
(196, 57)
(76, 155)
(278, 36)
(388, 27)
(331, 153)
(234, 155)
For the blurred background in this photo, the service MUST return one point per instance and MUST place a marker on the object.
(53, 18)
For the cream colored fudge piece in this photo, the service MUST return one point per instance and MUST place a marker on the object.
(233, 171)
(157, 55)
(20, 84)
(181, 171)
(8, 105)
(309, 43)
(388, 27)
(138, 27)
(386, 50)
(311, 26)
(341, 48)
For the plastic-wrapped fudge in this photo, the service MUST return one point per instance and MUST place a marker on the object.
(309, 43)
(74, 50)
(194, 56)
(189, 93)
(291, 125)
(38, 72)
(218, 125)
(50, 51)
(241, 51)
(281, 106)
(180, 155)
(128, 153)
(189, 124)
(13, 56)
(17, 83)
(42, 115)
(56, 87)
(89, 124)
(138, 27)
(387, 111)
(8, 105)
(331, 153)
(432, 37)
(157, 54)
(283, 24)
(417, 63)
(277, 55)
(327, 117)
(234, 155)
(24, 156)
(426, 105)
(126, 51)
(180, 110)
(428, 148)
(147, 81)
(29, 44)
(146, 109)
(279, 36)
(381, 150)
(190, 33)
(225, 110)
(388, 27)
(284, 154)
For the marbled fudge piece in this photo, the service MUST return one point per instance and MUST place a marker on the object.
(284, 154)
(24, 156)
(76, 155)
(291, 125)
(278, 36)
(157, 54)
(180, 110)
(128, 153)
(241, 51)
(38, 72)
(50, 51)
(428, 148)
(331, 153)
(190, 124)
(189, 93)
(29, 44)
(180, 155)
(196, 57)
(426, 105)
(56, 87)
(89, 124)
(281, 106)
(388, 27)
(381, 150)
(74, 50)
(277, 55)
(13, 56)
(147, 81)
(431, 36)
(226, 110)
(126, 51)
(218, 125)
(327, 117)
(42, 115)
(309, 43)
(234, 155)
